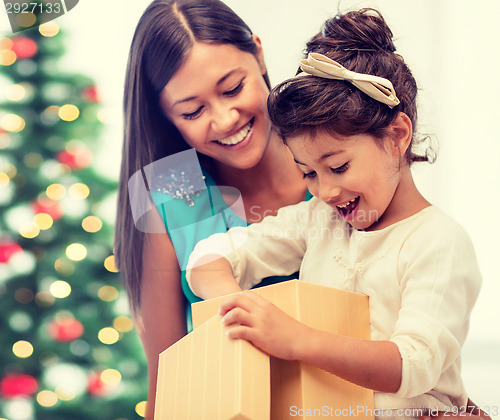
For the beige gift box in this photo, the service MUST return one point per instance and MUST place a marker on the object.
(206, 375)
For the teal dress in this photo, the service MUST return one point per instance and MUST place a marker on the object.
(191, 217)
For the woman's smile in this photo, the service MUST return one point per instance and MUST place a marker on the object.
(240, 136)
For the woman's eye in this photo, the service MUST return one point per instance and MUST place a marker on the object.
(234, 91)
(310, 174)
(340, 169)
(192, 115)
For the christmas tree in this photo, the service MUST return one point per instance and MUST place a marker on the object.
(69, 350)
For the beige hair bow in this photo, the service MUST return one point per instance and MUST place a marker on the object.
(376, 87)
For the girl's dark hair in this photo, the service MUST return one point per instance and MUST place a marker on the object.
(163, 39)
(362, 42)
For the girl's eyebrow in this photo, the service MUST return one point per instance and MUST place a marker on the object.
(220, 81)
(325, 156)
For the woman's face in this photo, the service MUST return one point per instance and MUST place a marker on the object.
(217, 100)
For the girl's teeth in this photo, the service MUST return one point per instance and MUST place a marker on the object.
(346, 204)
(238, 137)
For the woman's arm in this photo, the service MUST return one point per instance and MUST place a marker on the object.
(371, 364)
(162, 318)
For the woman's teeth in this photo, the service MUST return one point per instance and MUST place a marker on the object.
(238, 137)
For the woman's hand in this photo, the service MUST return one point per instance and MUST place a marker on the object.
(267, 327)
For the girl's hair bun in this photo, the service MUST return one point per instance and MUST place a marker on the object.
(362, 30)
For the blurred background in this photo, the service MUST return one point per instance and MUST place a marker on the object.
(68, 350)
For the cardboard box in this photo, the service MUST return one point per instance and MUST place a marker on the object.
(298, 390)
(207, 376)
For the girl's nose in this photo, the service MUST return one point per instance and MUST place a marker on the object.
(224, 119)
(327, 191)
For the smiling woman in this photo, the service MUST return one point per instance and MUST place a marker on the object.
(220, 112)
(196, 79)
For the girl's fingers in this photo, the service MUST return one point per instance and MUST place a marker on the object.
(245, 301)
(237, 316)
(240, 332)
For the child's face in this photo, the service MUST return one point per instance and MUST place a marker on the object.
(353, 175)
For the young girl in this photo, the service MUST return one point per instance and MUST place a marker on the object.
(348, 119)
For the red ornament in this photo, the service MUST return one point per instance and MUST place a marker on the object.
(7, 250)
(75, 158)
(14, 385)
(91, 94)
(46, 205)
(65, 330)
(96, 386)
(24, 47)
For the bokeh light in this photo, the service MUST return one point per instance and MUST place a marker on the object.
(56, 191)
(4, 179)
(140, 408)
(108, 335)
(123, 324)
(26, 19)
(7, 57)
(44, 299)
(43, 220)
(12, 122)
(29, 230)
(60, 289)
(64, 267)
(110, 265)
(111, 377)
(49, 29)
(79, 191)
(47, 398)
(15, 92)
(68, 112)
(92, 224)
(107, 293)
(76, 252)
(22, 349)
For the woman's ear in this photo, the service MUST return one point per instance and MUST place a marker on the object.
(260, 54)
(401, 132)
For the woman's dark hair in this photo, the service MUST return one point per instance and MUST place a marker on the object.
(162, 41)
(362, 42)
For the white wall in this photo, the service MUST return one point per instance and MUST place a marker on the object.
(452, 46)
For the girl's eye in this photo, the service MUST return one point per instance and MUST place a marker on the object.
(340, 169)
(310, 174)
(234, 91)
(192, 115)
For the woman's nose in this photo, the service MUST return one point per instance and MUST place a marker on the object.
(224, 118)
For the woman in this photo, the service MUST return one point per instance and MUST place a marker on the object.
(195, 79)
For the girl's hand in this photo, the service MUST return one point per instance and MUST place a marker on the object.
(267, 327)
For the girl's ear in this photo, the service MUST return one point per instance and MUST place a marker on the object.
(401, 131)
(260, 54)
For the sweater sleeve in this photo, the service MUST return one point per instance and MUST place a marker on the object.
(440, 282)
(273, 247)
